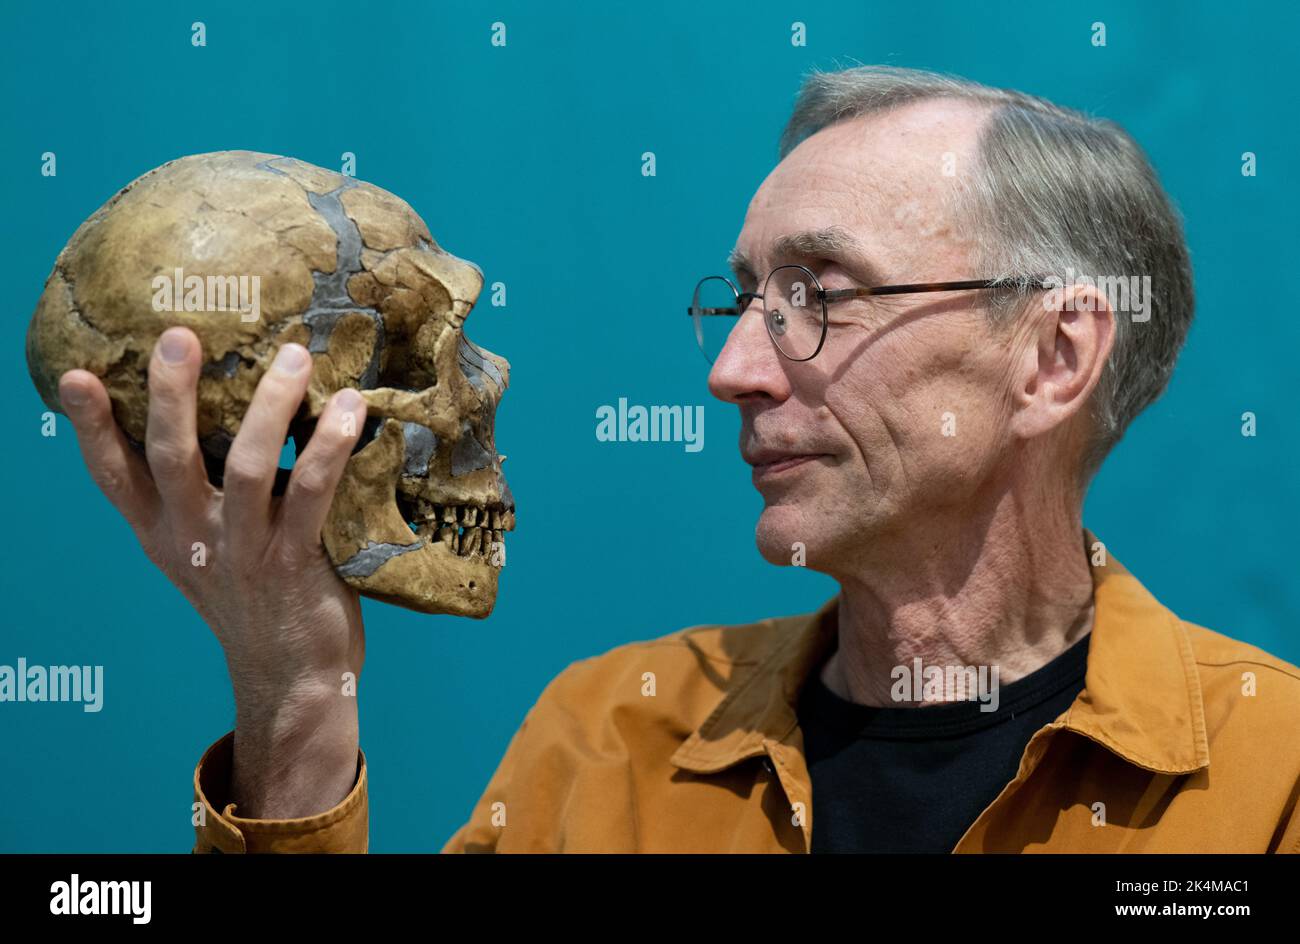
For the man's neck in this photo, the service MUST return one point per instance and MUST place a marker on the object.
(1003, 590)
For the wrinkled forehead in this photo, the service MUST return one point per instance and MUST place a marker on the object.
(890, 179)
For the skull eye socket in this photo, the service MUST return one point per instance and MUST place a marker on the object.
(215, 448)
(302, 427)
(300, 432)
(369, 430)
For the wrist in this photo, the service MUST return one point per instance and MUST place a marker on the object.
(294, 757)
(267, 696)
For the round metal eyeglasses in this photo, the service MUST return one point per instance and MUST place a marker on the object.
(794, 306)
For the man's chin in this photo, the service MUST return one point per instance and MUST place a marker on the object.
(783, 535)
(786, 536)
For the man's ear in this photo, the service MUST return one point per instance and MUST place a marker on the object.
(1072, 331)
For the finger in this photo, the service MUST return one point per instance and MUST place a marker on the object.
(115, 467)
(171, 440)
(255, 454)
(319, 467)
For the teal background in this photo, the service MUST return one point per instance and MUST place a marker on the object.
(526, 159)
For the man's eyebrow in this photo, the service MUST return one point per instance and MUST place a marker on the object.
(740, 263)
(833, 242)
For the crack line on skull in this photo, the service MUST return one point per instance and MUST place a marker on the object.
(74, 303)
(373, 556)
(330, 299)
(225, 367)
(475, 366)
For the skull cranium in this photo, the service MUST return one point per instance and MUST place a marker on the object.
(350, 271)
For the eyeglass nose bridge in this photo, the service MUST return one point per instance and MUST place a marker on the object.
(745, 301)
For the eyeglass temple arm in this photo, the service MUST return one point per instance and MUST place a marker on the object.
(842, 293)
(743, 301)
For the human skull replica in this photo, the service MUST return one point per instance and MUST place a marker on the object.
(351, 272)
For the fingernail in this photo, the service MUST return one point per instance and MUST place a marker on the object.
(74, 396)
(173, 347)
(349, 400)
(291, 358)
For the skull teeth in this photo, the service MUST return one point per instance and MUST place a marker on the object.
(470, 541)
(465, 530)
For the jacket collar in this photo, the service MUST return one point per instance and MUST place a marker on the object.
(1141, 698)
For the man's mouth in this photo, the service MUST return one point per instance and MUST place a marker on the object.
(767, 465)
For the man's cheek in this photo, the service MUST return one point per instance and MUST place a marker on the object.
(949, 448)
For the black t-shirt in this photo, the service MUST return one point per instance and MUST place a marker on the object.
(914, 779)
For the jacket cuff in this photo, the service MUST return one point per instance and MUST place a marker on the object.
(345, 828)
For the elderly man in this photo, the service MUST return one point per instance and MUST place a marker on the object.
(931, 357)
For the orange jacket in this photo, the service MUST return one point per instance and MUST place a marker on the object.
(690, 743)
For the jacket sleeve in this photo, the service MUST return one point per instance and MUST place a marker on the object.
(345, 828)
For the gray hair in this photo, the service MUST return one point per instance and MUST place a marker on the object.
(1055, 191)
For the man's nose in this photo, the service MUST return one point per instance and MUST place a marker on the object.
(749, 363)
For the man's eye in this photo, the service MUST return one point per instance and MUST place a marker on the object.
(833, 279)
